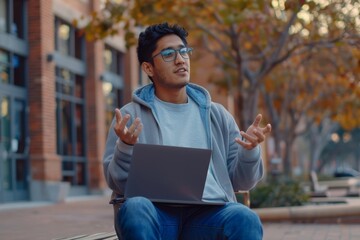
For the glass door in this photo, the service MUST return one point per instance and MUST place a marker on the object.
(14, 145)
(5, 164)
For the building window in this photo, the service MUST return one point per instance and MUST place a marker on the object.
(12, 17)
(113, 60)
(70, 103)
(112, 82)
(70, 112)
(68, 40)
(3, 16)
(5, 67)
(12, 68)
(113, 99)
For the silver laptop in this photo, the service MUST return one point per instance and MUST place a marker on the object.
(168, 174)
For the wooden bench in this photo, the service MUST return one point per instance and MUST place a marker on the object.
(317, 189)
(323, 188)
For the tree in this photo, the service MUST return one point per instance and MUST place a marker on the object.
(312, 94)
(341, 107)
(251, 38)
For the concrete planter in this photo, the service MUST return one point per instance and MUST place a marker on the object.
(49, 191)
(350, 208)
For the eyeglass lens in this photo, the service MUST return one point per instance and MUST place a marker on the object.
(170, 54)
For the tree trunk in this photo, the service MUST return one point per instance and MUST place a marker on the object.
(245, 111)
(239, 110)
(287, 159)
(319, 138)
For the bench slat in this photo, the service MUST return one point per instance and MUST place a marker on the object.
(101, 236)
(72, 238)
(96, 236)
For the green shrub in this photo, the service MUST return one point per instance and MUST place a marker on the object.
(278, 194)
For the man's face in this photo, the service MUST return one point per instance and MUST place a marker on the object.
(172, 74)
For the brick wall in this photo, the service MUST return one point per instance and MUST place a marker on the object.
(95, 114)
(45, 164)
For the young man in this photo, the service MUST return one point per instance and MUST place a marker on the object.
(173, 111)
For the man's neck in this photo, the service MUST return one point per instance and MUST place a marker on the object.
(176, 96)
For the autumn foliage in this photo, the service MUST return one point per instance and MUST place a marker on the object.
(294, 59)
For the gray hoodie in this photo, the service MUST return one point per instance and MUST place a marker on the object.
(235, 167)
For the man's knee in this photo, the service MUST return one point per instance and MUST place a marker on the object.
(134, 206)
(248, 214)
(243, 222)
(136, 219)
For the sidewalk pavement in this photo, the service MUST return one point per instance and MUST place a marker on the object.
(93, 214)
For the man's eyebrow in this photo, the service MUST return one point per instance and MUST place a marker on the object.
(179, 46)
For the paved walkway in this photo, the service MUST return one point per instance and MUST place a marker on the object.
(87, 215)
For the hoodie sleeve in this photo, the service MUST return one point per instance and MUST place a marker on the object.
(245, 166)
(116, 161)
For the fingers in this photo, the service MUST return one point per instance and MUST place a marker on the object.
(254, 135)
(250, 141)
(133, 126)
(128, 135)
(118, 115)
(266, 129)
(120, 124)
(120, 121)
(260, 136)
(244, 144)
(131, 137)
(137, 130)
(256, 123)
(257, 120)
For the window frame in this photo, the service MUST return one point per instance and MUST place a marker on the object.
(113, 75)
(76, 42)
(73, 157)
(18, 19)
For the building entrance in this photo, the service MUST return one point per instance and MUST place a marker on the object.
(14, 145)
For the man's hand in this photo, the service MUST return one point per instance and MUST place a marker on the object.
(254, 134)
(127, 135)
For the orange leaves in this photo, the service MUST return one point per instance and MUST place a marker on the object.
(105, 22)
(293, 49)
(323, 84)
(130, 39)
(350, 117)
(247, 45)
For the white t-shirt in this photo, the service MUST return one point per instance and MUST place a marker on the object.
(181, 125)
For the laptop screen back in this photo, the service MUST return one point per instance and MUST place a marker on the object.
(167, 173)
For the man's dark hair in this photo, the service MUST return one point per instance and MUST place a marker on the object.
(148, 39)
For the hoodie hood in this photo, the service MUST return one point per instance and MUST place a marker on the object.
(145, 95)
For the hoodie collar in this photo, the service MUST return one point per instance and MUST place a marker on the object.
(145, 95)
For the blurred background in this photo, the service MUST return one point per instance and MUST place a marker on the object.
(65, 65)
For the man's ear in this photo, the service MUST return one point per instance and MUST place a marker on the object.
(147, 68)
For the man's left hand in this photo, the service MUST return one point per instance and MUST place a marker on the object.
(254, 134)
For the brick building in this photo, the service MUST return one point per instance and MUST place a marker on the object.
(57, 96)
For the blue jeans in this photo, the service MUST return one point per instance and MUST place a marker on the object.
(139, 218)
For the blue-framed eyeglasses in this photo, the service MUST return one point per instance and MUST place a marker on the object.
(169, 55)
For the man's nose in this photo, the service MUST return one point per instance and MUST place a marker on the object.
(179, 58)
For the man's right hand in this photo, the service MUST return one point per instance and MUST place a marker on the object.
(127, 135)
